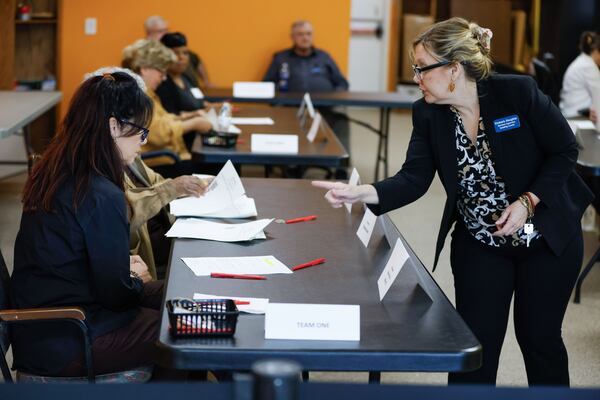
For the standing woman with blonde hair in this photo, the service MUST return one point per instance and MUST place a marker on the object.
(505, 156)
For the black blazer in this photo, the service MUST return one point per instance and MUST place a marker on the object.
(538, 157)
(72, 257)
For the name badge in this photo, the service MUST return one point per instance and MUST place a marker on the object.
(197, 93)
(507, 123)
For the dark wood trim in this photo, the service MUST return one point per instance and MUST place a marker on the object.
(7, 44)
(39, 314)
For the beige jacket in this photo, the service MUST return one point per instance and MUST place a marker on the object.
(145, 203)
(166, 132)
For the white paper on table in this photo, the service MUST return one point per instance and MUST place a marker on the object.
(242, 207)
(254, 265)
(353, 181)
(314, 128)
(253, 121)
(576, 124)
(258, 305)
(261, 90)
(365, 229)
(234, 129)
(272, 143)
(392, 268)
(221, 193)
(193, 228)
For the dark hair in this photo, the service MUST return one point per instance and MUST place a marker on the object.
(174, 39)
(589, 41)
(83, 146)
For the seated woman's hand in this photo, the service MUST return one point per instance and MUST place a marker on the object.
(511, 220)
(189, 185)
(593, 115)
(339, 193)
(139, 269)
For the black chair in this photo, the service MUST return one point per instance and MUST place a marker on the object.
(545, 80)
(73, 315)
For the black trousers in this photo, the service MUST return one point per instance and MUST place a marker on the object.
(485, 279)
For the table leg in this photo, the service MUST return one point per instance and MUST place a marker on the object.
(374, 376)
(382, 145)
(586, 270)
(304, 376)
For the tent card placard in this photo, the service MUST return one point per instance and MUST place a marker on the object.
(365, 229)
(314, 128)
(392, 268)
(312, 321)
(353, 181)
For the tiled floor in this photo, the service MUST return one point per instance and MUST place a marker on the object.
(419, 223)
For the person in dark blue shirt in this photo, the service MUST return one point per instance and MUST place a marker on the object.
(72, 248)
(304, 68)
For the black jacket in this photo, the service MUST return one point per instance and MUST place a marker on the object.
(538, 157)
(72, 257)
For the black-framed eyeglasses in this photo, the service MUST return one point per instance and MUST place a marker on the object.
(145, 131)
(419, 70)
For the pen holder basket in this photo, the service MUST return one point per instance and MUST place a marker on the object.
(219, 139)
(202, 318)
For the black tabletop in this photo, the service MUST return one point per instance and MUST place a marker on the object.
(359, 99)
(326, 150)
(415, 328)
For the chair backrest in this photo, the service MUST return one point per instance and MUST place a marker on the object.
(545, 80)
(4, 328)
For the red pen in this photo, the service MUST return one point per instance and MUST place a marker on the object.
(236, 276)
(309, 264)
(241, 302)
(302, 219)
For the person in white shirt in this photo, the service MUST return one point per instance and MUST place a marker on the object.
(581, 83)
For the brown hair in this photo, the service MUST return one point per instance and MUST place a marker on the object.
(589, 41)
(458, 40)
(83, 146)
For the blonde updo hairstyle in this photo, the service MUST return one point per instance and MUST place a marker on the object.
(460, 41)
(147, 54)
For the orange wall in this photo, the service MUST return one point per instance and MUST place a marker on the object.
(235, 38)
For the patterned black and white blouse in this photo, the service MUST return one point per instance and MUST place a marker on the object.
(481, 193)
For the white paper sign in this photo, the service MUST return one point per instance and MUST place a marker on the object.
(197, 93)
(269, 143)
(353, 181)
(314, 128)
(252, 121)
(309, 105)
(259, 90)
(596, 107)
(312, 321)
(365, 229)
(392, 268)
(252, 265)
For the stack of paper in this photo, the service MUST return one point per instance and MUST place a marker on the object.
(192, 228)
(224, 198)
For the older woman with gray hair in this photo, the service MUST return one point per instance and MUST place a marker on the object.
(151, 59)
(506, 158)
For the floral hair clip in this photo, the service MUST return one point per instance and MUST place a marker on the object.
(484, 35)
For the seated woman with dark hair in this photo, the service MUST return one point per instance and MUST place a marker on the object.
(72, 248)
(178, 94)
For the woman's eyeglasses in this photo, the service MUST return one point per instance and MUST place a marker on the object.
(419, 70)
(144, 131)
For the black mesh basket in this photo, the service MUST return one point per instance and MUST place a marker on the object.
(219, 139)
(202, 318)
